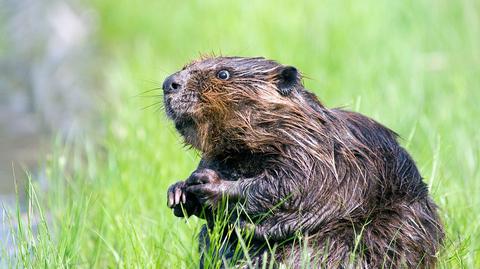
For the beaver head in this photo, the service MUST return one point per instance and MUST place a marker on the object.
(234, 104)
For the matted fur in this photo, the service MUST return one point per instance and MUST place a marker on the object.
(335, 177)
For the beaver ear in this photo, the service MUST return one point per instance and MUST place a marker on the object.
(287, 80)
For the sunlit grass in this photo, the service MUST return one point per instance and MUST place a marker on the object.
(412, 65)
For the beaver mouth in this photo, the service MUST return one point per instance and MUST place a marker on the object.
(178, 105)
(178, 113)
(177, 108)
(168, 107)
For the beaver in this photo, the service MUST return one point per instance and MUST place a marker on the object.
(298, 170)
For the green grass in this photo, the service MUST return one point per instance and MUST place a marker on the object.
(412, 65)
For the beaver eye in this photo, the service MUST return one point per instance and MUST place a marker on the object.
(223, 75)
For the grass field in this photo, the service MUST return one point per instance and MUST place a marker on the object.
(412, 65)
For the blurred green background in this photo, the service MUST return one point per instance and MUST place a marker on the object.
(412, 65)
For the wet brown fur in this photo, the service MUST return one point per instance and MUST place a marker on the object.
(337, 175)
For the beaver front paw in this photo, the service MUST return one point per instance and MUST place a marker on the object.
(176, 194)
(182, 203)
(206, 185)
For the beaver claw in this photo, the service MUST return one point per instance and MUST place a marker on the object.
(176, 194)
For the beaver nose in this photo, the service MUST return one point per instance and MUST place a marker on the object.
(170, 84)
